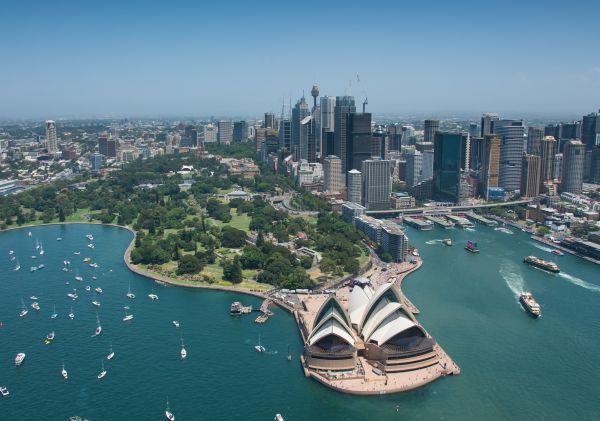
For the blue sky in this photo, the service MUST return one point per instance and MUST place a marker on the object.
(229, 58)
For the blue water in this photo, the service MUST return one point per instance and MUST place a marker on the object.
(513, 366)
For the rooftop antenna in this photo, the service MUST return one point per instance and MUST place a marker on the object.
(365, 102)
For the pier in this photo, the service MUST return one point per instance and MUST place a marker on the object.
(441, 222)
(480, 219)
(460, 221)
(265, 312)
(417, 223)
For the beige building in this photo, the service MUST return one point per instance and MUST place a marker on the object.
(332, 174)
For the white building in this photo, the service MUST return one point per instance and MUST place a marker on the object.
(51, 140)
(354, 186)
(332, 171)
(377, 183)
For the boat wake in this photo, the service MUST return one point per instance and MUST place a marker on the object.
(579, 282)
(470, 229)
(541, 247)
(430, 242)
(504, 230)
(513, 279)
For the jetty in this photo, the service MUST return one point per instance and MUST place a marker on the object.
(480, 219)
(417, 223)
(442, 222)
(265, 312)
(460, 221)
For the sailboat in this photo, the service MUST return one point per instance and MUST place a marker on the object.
(78, 277)
(11, 252)
(127, 317)
(64, 372)
(71, 314)
(29, 234)
(99, 328)
(289, 356)
(54, 313)
(152, 295)
(41, 249)
(168, 413)
(111, 354)
(37, 244)
(18, 266)
(95, 301)
(130, 294)
(259, 347)
(102, 373)
(23, 311)
(183, 352)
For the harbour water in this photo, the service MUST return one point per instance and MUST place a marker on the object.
(513, 366)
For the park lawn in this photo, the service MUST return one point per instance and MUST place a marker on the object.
(241, 222)
(363, 258)
(78, 216)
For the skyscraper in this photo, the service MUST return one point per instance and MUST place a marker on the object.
(511, 152)
(225, 134)
(379, 142)
(332, 174)
(240, 131)
(547, 153)
(51, 140)
(394, 136)
(299, 113)
(474, 130)
(96, 162)
(327, 113)
(377, 183)
(430, 128)
(414, 162)
(530, 176)
(358, 141)
(534, 140)
(448, 161)
(590, 131)
(107, 146)
(354, 186)
(490, 164)
(427, 165)
(344, 105)
(285, 134)
(308, 145)
(557, 166)
(487, 123)
(269, 121)
(572, 172)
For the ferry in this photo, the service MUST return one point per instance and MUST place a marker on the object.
(541, 264)
(472, 247)
(4, 391)
(19, 358)
(236, 308)
(529, 303)
(557, 252)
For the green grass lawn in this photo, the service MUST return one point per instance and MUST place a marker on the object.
(78, 216)
(241, 222)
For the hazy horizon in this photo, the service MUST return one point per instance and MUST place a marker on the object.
(148, 59)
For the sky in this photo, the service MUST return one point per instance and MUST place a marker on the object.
(62, 59)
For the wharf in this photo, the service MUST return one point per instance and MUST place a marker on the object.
(441, 222)
(460, 221)
(417, 223)
(480, 219)
(265, 312)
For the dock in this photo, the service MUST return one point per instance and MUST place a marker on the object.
(265, 312)
(441, 222)
(480, 219)
(460, 221)
(417, 223)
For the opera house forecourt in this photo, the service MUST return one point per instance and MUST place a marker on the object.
(365, 340)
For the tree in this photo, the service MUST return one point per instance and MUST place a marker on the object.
(252, 257)
(61, 215)
(232, 237)
(306, 262)
(236, 271)
(541, 231)
(189, 264)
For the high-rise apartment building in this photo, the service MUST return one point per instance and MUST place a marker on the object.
(240, 131)
(590, 131)
(448, 163)
(51, 139)
(332, 174)
(427, 165)
(534, 140)
(308, 146)
(530, 176)
(299, 113)
(557, 166)
(269, 121)
(379, 142)
(96, 162)
(225, 133)
(377, 183)
(107, 146)
(490, 164)
(430, 127)
(511, 152)
(572, 172)
(344, 105)
(328, 113)
(354, 186)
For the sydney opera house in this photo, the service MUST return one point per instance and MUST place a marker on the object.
(374, 327)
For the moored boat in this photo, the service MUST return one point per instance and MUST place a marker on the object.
(4, 391)
(19, 358)
(236, 308)
(471, 247)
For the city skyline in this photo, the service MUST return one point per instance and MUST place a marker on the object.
(150, 59)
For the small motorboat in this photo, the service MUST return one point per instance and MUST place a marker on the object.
(557, 252)
(11, 252)
(4, 391)
(64, 373)
(88, 288)
(168, 413)
(58, 239)
(32, 268)
(127, 317)
(54, 315)
(96, 303)
(183, 352)
(111, 354)
(50, 336)
(98, 290)
(153, 296)
(175, 323)
(35, 305)
(23, 313)
(76, 253)
(91, 246)
(19, 358)
(102, 373)
(41, 266)
(71, 314)
(33, 297)
(279, 417)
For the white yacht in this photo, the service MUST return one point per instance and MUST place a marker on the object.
(18, 266)
(98, 290)
(23, 311)
(259, 347)
(89, 237)
(19, 358)
(33, 297)
(71, 314)
(91, 246)
(4, 391)
(11, 252)
(35, 305)
(175, 323)
(54, 314)
(111, 354)
(168, 413)
(127, 317)
(183, 352)
(153, 296)
(64, 372)
(29, 234)
(102, 373)
(96, 303)
(279, 417)
(130, 294)
(76, 253)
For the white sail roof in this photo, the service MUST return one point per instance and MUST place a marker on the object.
(331, 326)
(393, 325)
(359, 298)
